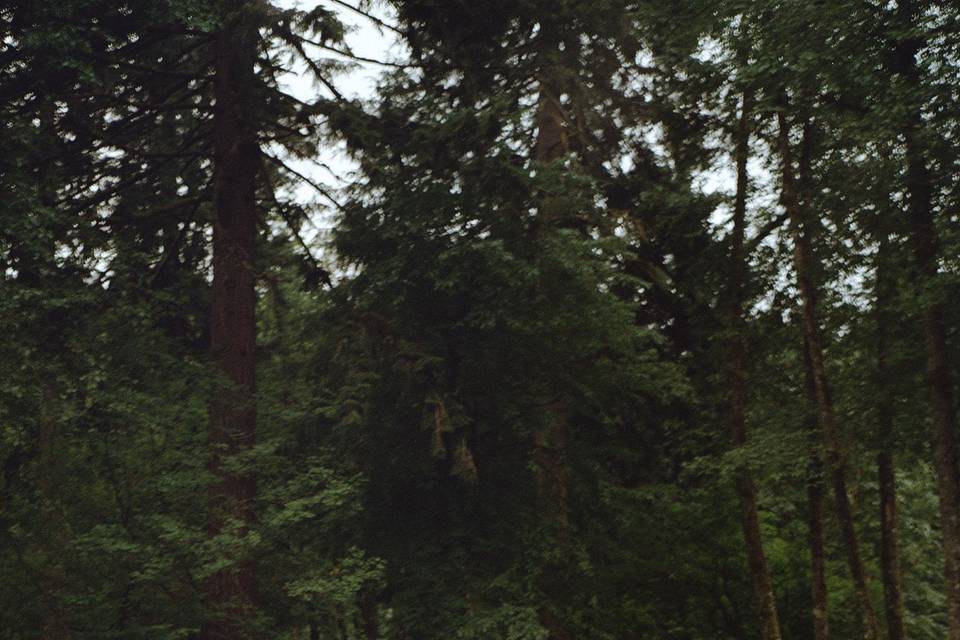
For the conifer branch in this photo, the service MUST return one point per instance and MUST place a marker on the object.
(372, 18)
(317, 187)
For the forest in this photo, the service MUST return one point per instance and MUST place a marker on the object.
(591, 320)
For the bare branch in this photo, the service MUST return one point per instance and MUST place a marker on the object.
(350, 54)
(763, 232)
(320, 189)
(286, 218)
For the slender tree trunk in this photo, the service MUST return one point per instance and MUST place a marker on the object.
(889, 552)
(368, 616)
(836, 463)
(919, 188)
(815, 480)
(55, 532)
(818, 573)
(889, 545)
(231, 592)
(736, 391)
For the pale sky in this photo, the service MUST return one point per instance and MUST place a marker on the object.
(365, 39)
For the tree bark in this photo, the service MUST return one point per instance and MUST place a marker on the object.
(551, 142)
(550, 145)
(940, 390)
(33, 267)
(815, 480)
(368, 615)
(889, 545)
(231, 591)
(818, 573)
(736, 391)
(55, 532)
(835, 458)
(919, 189)
(551, 441)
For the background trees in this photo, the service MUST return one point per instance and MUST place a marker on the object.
(615, 288)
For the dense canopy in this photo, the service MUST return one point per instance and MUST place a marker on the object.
(621, 320)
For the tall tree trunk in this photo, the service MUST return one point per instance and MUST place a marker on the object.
(889, 545)
(835, 458)
(939, 384)
(815, 479)
(34, 267)
(550, 145)
(231, 592)
(551, 441)
(736, 390)
(55, 532)
(919, 188)
(368, 615)
(818, 572)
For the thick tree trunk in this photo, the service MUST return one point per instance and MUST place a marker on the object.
(551, 142)
(889, 545)
(231, 592)
(33, 265)
(940, 390)
(919, 190)
(835, 458)
(549, 145)
(551, 441)
(736, 392)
